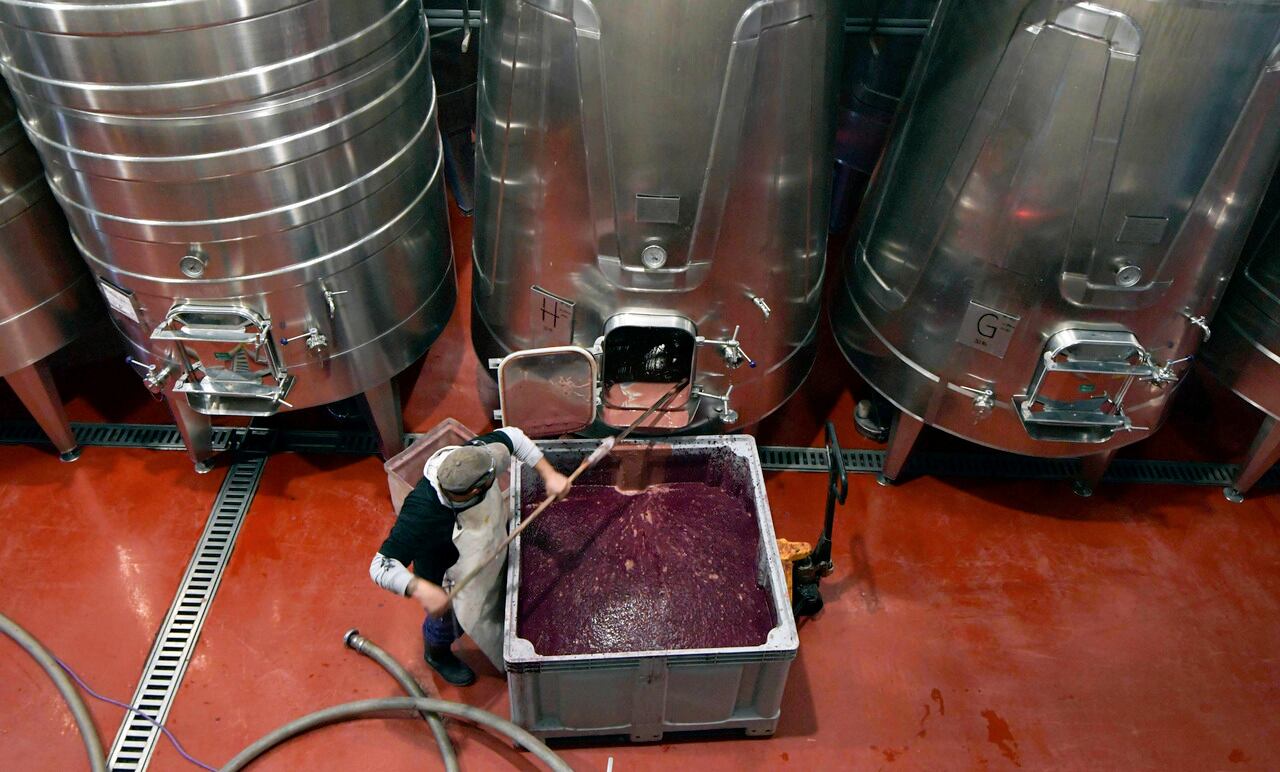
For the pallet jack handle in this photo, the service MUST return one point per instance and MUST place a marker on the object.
(837, 492)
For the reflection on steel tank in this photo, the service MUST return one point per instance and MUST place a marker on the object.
(884, 43)
(1057, 216)
(46, 295)
(652, 201)
(1244, 352)
(256, 187)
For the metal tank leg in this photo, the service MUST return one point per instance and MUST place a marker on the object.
(1092, 468)
(35, 387)
(381, 407)
(1263, 455)
(196, 430)
(902, 437)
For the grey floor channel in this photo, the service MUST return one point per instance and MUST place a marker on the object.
(167, 663)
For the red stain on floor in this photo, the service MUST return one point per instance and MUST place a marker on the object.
(1237, 756)
(998, 734)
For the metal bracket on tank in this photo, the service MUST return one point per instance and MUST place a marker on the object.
(1080, 384)
(228, 357)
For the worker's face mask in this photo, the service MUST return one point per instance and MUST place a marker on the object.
(469, 498)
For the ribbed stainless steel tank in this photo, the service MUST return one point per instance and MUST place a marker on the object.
(46, 295)
(256, 186)
(652, 192)
(1244, 352)
(1057, 216)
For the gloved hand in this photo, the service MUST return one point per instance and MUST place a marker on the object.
(557, 485)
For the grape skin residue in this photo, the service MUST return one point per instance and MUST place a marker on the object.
(673, 567)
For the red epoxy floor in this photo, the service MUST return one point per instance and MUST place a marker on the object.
(970, 624)
(91, 554)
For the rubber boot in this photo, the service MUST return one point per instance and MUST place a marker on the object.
(446, 663)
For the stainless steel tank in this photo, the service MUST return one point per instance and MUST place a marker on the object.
(256, 187)
(46, 295)
(652, 192)
(1244, 352)
(1057, 216)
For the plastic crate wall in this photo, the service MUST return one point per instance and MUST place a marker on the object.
(644, 695)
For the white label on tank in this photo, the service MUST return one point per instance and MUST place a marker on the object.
(987, 329)
(120, 301)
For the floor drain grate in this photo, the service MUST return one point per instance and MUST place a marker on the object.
(151, 436)
(1007, 466)
(168, 660)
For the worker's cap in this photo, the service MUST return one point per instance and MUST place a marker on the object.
(465, 469)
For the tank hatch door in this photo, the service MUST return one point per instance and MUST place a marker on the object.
(229, 361)
(1080, 384)
(548, 392)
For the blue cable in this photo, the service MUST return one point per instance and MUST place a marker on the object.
(176, 745)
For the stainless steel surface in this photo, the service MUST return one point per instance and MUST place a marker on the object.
(1244, 352)
(257, 185)
(39, 394)
(46, 295)
(1075, 169)
(672, 162)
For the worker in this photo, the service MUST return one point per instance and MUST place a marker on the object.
(447, 527)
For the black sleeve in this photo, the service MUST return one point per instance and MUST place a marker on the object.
(423, 535)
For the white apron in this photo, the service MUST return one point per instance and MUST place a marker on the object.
(480, 607)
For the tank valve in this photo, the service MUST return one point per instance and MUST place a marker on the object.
(1201, 322)
(983, 399)
(329, 295)
(762, 305)
(152, 377)
(316, 341)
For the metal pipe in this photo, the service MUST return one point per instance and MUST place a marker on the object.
(355, 641)
(390, 705)
(84, 721)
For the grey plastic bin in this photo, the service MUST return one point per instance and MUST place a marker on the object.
(646, 694)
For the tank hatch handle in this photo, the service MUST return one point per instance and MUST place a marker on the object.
(228, 358)
(1077, 393)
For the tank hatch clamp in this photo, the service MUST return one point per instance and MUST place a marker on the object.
(727, 413)
(1080, 384)
(730, 348)
(228, 358)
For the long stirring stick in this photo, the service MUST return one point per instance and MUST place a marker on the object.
(596, 456)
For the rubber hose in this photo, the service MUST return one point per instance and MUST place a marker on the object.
(368, 708)
(84, 721)
(357, 642)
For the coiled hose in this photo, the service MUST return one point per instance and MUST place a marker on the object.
(357, 642)
(430, 708)
(389, 707)
(84, 721)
